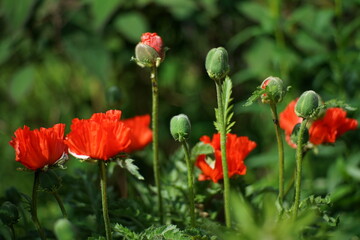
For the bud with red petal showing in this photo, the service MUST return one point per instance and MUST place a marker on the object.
(275, 90)
(150, 51)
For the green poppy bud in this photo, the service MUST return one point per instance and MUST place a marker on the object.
(146, 56)
(64, 230)
(9, 214)
(180, 127)
(217, 63)
(275, 90)
(49, 181)
(307, 104)
(295, 134)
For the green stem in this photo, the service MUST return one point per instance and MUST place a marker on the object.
(190, 182)
(280, 152)
(223, 155)
(12, 230)
(102, 170)
(156, 164)
(299, 156)
(34, 216)
(60, 203)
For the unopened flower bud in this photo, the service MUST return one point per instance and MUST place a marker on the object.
(180, 127)
(49, 181)
(295, 134)
(9, 213)
(275, 90)
(217, 63)
(307, 104)
(150, 50)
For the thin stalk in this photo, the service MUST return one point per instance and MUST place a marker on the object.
(12, 230)
(34, 216)
(102, 170)
(299, 156)
(60, 203)
(190, 182)
(280, 152)
(156, 164)
(223, 155)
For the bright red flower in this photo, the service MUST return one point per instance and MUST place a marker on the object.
(288, 119)
(38, 148)
(101, 137)
(140, 133)
(325, 130)
(331, 126)
(237, 148)
(153, 40)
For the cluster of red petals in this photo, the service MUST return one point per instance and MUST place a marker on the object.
(153, 40)
(101, 137)
(237, 148)
(40, 147)
(327, 129)
(140, 132)
(287, 121)
(331, 126)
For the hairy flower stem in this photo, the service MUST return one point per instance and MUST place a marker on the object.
(60, 203)
(190, 177)
(34, 216)
(299, 157)
(156, 164)
(102, 171)
(280, 152)
(222, 125)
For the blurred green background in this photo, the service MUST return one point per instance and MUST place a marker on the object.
(71, 58)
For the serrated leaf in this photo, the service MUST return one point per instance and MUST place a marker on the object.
(254, 96)
(163, 232)
(125, 232)
(201, 148)
(334, 103)
(228, 108)
(132, 168)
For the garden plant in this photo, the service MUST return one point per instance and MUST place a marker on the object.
(274, 159)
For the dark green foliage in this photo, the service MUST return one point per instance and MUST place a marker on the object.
(58, 60)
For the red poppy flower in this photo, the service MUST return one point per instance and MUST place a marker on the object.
(331, 126)
(325, 130)
(140, 133)
(101, 137)
(153, 40)
(38, 148)
(237, 148)
(288, 119)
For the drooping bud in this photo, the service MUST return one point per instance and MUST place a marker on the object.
(9, 213)
(150, 51)
(217, 63)
(49, 181)
(307, 104)
(295, 134)
(275, 90)
(180, 127)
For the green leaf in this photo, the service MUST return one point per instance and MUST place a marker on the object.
(125, 232)
(228, 107)
(21, 83)
(163, 232)
(132, 25)
(15, 13)
(334, 103)
(201, 148)
(254, 96)
(103, 10)
(132, 168)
